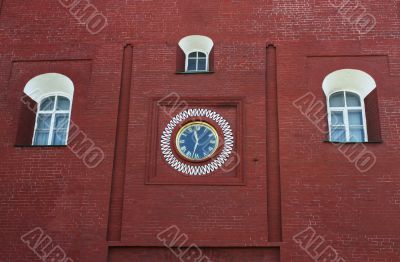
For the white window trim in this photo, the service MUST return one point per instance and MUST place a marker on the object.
(197, 61)
(53, 114)
(48, 84)
(345, 111)
(196, 43)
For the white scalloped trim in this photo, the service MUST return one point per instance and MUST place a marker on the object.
(201, 169)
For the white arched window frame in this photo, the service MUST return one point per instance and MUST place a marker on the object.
(52, 121)
(197, 49)
(53, 94)
(197, 61)
(346, 116)
(347, 82)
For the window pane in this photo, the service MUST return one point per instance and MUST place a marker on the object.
(337, 100)
(337, 118)
(194, 54)
(59, 137)
(357, 134)
(338, 134)
(43, 121)
(352, 99)
(41, 138)
(202, 54)
(61, 121)
(47, 104)
(191, 65)
(62, 103)
(355, 118)
(202, 65)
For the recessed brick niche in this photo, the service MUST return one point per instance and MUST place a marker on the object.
(160, 172)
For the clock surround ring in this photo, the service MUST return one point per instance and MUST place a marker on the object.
(197, 169)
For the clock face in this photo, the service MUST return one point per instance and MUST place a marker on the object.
(197, 141)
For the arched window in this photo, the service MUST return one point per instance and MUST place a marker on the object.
(53, 94)
(197, 61)
(197, 49)
(52, 121)
(347, 121)
(346, 91)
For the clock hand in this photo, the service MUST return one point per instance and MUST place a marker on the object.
(195, 147)
(197, 141)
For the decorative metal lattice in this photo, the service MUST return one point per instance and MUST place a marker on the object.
(197, 170)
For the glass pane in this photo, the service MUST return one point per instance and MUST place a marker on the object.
(338, 134)
(355, 118)
(202, 54)
(41, 138)
(352, 99)
(47, 104)
(61, 121)
(62, 103)
(191, 65)
(194, 54)
(59, 137)
(357, 134)
(337, 118)
(337, 100)
(202, 65)
(43, 121)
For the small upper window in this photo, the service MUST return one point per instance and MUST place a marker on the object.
(197, 51)
(52, 121)
(197, 61)
(347, 118)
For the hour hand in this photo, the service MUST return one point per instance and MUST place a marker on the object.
(196, 136)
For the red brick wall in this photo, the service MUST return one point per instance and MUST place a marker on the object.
(51, 188)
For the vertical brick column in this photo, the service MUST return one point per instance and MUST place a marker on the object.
(273, 166)
(119, 165)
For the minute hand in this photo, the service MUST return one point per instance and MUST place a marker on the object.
(197, 141)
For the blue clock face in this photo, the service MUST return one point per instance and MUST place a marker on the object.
(197, 141)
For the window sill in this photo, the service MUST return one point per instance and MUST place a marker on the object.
(369, 142)
(44, 146)
(195, 73)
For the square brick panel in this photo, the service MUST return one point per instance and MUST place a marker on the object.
(161, 171)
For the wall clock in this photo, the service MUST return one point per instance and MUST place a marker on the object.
(197, 142)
